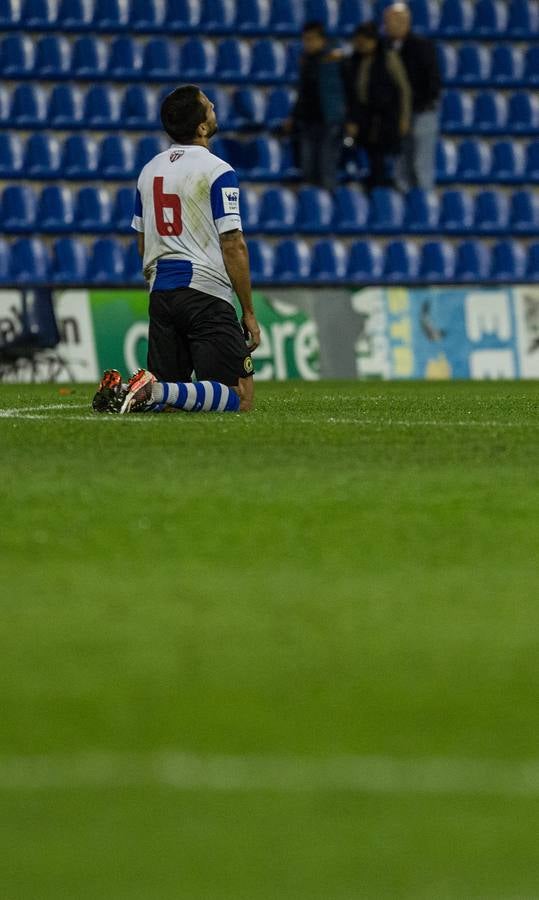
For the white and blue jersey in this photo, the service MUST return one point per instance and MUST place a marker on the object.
(186, 197)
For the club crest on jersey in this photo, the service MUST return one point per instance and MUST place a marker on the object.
(176, 155)
(231, 199)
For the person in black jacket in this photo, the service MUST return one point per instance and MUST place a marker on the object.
(318, 116)
(378, 100)
(418, 54)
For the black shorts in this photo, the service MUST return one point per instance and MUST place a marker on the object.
(191, 331)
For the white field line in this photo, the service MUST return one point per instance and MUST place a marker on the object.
(294, 774)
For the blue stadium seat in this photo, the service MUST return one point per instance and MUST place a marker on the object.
(79, 157)
(472, 262)
(261, 260)
(147, 15)
(532, 162)
(328, 261)
(401, 261)
(69, 261)
(421, 212)
(386, 211)
(507, 261)
(56, 211)
(474, 161)
(473, 65)
(106, 262)
(74, 15)
(524, 113)
(249, 210)
(508, 163)
(523, 21)
(365, 261)
(29, 261)
(17, 56)
(138, 108)
(263, 159)
(490, 113)
(252, 17)
(456, 212)
(456, 19)
(285, 17)
(39, 15)
(66, 104)
(247, 109)
(532, 262)
(117, 158)
(293, 56)
(353, 13)
(53, 56)
(218, 16)
(89, 59)
(437, 262)
(531, 66)
(425, 15)
(268, 61)
(233, 60)
(198, 59)
(110, 15)
(351, 210)
(491, 213)
(325, 11)
(122, 212)
(315, 211)
(161, 60)
(93, 211)
(448, 63)
(279, 108)
(230, 150)
(457, 112)
(524, 213)
(10, 14)
(42, 157)
(133, 265)
(182, 16)
(490, 19)
(102, 107)
(446, 161)
(4, 261)
(29, 106)
(289, 168)
(147, 148)
(506, 66)
(292, 260)
(125, 58)
(5, 107)
(278, 210)
(11, 155)
(19, 209)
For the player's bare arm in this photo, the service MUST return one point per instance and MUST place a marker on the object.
(140, 243)
(236, 260)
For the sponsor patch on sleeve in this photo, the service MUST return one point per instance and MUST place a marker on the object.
(231, 200)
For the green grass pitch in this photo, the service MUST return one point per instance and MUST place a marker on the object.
(290, 655)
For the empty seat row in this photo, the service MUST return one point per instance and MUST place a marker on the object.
(473, 65)
(133, 107)
(490, 113)
(450, 18)
(159, 59)
(70, 261)
(79, 156)
(281, 211)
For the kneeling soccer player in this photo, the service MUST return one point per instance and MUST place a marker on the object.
(144, 393)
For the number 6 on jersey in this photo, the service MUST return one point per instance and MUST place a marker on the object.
(165, 202)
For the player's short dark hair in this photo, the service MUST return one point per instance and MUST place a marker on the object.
(182, 111)
(314, 25)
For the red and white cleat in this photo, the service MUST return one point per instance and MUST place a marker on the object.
(138, 392)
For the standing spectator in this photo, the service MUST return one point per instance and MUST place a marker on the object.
(379, 100)
(417, 163)
(318, 116)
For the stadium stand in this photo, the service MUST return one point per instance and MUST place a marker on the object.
(79, 117)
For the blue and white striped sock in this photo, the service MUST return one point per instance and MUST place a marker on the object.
(202, 396)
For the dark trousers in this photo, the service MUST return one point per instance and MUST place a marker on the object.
(320, 152)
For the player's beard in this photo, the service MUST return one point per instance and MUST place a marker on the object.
(213, 130)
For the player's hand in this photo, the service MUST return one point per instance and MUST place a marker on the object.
(251, 330)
